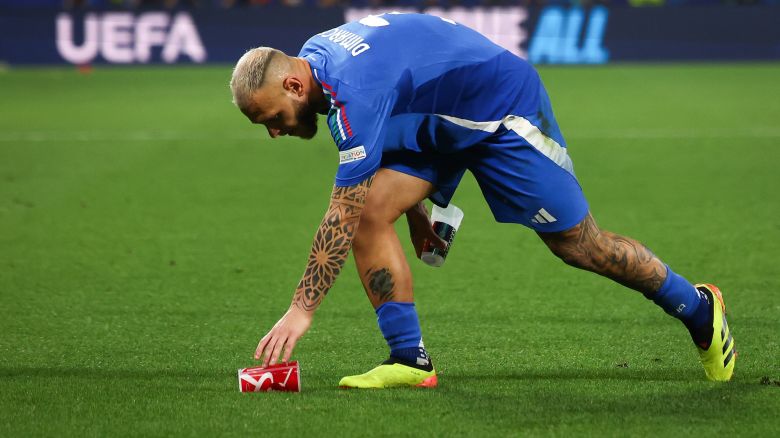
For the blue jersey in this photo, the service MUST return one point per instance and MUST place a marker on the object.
(417, 81)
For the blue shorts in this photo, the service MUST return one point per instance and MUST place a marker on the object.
(522, 183)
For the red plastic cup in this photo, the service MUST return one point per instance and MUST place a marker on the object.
(279, 377)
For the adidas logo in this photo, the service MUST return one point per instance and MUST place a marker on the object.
(543, 217)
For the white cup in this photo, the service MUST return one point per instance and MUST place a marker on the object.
(445, 222)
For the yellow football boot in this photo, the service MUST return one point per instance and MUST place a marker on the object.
(391, 375)
(719, 357)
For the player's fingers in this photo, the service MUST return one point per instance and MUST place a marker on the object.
(288, 349)
(269, 348)
(435, 240)
(419, 243)
(278, 349)
(261, 346)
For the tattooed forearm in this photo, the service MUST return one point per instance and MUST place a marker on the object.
(620, 258)
(331, 244)
(380, 284)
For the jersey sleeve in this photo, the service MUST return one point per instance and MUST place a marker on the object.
(357, 120)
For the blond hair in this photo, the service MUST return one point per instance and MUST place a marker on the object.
(250, 73)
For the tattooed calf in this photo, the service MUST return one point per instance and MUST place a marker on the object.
(620, 258)
(380, 283)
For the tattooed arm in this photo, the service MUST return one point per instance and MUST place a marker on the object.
(331, 244)
(329, 252)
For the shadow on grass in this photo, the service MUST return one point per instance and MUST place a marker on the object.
(451, 382)
(199, 380)
(667, 375)
(544, 399)
(621, 372)
(112, 373)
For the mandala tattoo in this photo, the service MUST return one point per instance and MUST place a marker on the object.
(380, 283)
(331, 245)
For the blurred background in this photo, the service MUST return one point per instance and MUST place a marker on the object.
(544, 31)
(150, 235)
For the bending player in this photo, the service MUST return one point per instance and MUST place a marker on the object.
(412, 102)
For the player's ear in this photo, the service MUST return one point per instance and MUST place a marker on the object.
(294, 85)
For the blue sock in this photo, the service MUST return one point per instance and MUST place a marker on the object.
(401, 329)
(680, 299)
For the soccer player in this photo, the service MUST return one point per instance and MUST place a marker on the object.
(412, 102)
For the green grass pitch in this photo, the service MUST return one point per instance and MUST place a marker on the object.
(149, 236)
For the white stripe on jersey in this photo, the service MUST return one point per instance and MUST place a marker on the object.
(338, 122)
(525, 129)
(549, 147)
(482, 126)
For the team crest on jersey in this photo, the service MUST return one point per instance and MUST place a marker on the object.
(350, 155)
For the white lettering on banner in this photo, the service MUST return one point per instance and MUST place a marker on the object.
(116, 41)
(500, 25)
(65, 46)
(150, 31)
(121, 37)
(183, 38)
(557, 35)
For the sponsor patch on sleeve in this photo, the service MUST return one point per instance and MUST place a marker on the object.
(350, 155)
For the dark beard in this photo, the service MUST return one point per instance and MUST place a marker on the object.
(307, 122)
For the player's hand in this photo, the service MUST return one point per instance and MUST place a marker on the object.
(283, 336)
(421, 229)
